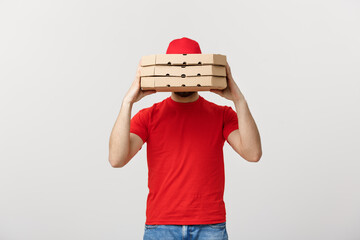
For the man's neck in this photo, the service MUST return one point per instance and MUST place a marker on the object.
(191, 98)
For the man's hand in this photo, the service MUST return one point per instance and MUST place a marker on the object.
(232, 91)
(135, 93)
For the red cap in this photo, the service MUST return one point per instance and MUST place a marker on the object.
(182, 46)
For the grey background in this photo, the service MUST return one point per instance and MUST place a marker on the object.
(65, 67)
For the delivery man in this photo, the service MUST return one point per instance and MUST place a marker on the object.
(185, 135)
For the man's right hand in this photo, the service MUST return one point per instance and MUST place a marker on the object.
(135, 93)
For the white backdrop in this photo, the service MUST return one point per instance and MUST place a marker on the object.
(65, 67)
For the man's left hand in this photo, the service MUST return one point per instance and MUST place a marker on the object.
(232, 91)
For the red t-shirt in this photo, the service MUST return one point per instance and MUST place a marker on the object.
(186, 177)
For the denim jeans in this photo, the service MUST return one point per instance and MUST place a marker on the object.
(215, 231)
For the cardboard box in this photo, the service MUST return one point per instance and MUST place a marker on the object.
(183, 71)
(179, 84)
(183, 59)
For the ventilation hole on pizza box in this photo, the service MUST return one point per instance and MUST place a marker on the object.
(198, 85)
(169, 63)
(199, 74)
(184, 54)
(184, 63)
(183, 75)
(183, 85)
(183, 66)
(199, 63)
(167, 74)
(168, 85)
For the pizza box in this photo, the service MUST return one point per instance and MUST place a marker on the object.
(183, 59)
(183, 71)
(183, 84)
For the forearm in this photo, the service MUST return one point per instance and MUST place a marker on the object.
(249, 134)
(119, 145)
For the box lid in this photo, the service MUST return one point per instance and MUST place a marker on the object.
(183, 59)
(154, 82)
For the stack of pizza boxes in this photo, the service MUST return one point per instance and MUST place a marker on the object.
(183, 72)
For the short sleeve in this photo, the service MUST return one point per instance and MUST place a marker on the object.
(230, 121)
(139, 124)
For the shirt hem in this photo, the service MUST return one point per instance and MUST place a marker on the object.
(184, 222)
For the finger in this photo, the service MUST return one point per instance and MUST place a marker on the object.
(148, 92)
(228, 68)
(138, 73)
(215, 91)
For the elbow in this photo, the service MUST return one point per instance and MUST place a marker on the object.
(116, 166)
(256, 157)
(115, 163)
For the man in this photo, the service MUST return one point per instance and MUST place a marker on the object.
(185, 135)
